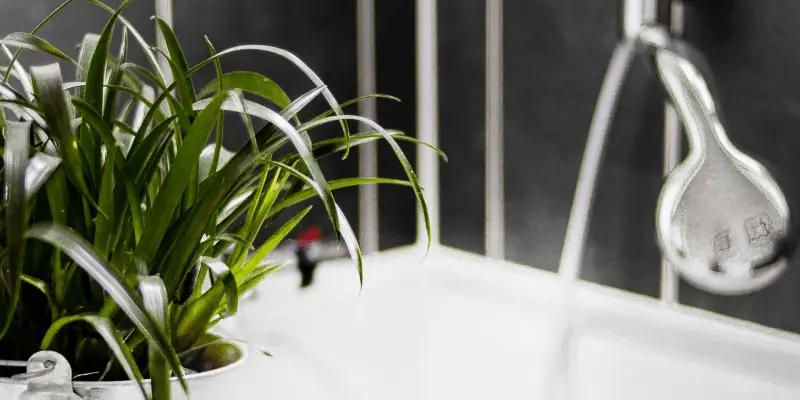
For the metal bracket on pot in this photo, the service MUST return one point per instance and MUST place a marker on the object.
(49, 377)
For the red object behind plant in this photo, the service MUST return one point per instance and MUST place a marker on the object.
(309, 236)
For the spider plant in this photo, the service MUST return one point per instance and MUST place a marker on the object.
(116, 209)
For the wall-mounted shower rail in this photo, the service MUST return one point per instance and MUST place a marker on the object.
(495, 214)
(672, 156)
(428, 114)
(368, 152)
(164, 11)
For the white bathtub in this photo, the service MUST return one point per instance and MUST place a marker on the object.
(460, 326)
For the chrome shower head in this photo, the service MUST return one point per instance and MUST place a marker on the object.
(721, 218)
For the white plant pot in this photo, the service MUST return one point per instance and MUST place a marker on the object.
(233, 381)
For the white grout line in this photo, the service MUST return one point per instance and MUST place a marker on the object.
(495, 212)
(427, 115)
(367, 153)
(672, 155)
(164, 11)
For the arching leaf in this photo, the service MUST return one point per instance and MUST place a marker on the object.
(80, 251)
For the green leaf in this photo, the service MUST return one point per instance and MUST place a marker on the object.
(162, 110)
(349, 237)
(104, 224)
(409, 170)
(324, 148)
(257, 212)
(300, 145)
(357, 100)
(148, 96)
(115, 79)
(110, 335)
(257, 277)
(90, 143)
(88, 46)
(232, 238)
(249, 82)
(294, 60)
(178, 65)
(306, 194)
(146, 48)
(48, 83)
(269, 245)
(15, 162)
(154, 297)
(57, 196)
(124, 134)
(204, 346)
(222, 273)
(143, 132)
(42, 287)
(351, 241)
(130, 68)
(24, 109)
(95, 76)
(95, 120)
(235, 203)
(218, 189)
(73, 85)
(152, 162)
(87, 258)
(169, 195)
(39, 169)
(257, 110)
(207, 160)
(150, 148)
(32, 42)
(58, 200)
(238, 100)
(214, 167)
(195, 315)
(293, 109)
(302, 102)
(19, 73)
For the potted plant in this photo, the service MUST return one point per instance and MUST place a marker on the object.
(116, 211)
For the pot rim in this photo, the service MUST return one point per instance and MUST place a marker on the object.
(245, 354)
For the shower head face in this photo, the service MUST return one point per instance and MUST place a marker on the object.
(729, 227)
(722, 220)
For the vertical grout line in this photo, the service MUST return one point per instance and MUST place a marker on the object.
(164, 11)
(495, 211)
(427, 116)
(367, 153)
(672, 154)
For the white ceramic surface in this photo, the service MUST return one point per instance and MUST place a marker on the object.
(463, 327)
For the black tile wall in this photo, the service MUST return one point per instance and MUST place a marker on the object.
(462, 127)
